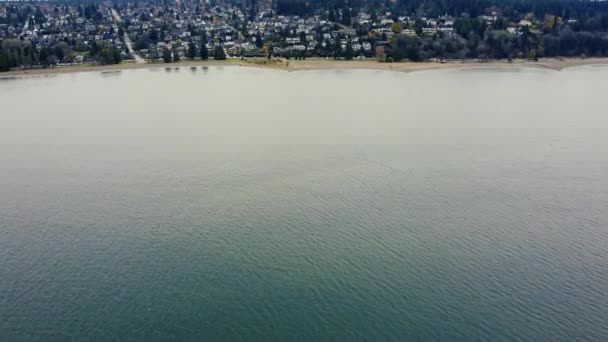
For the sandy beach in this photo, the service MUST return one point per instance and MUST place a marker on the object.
(317, 64)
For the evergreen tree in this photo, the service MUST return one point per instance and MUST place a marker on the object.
(349, 53)
(4, 62)
(396, 53)
(176, 57)
(154, 36)
(258, 41)
(347, 16)
(191, 50)
(109, 56)
(116, 55)
(94, 50)
(332, 15)
(337, 48)
(218, 53)
(204, 50)
(167, 56)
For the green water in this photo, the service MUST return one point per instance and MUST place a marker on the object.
(234, 204)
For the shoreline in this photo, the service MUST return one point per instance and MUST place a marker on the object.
(316, 64)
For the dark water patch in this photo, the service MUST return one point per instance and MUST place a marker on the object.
(111, 73)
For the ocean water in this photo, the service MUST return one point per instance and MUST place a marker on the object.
(236, 204)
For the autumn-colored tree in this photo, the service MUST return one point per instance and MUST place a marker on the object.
(395, 27)
(549, 22)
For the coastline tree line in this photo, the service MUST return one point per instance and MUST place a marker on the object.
(582, 10)
(172, 55)
(16, 53)
(500, 44)
(565, 28)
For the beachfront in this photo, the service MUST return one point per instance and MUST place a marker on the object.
(318, 64)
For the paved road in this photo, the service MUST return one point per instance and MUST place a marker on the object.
(127, 40)
(26, 25)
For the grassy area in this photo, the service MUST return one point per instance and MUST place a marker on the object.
(263, 61)
(79, 53)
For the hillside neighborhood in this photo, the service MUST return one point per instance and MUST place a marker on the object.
(45, 34)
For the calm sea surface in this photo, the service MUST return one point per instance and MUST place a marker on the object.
(228, 204)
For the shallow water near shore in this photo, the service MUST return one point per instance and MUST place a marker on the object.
(254, 204)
